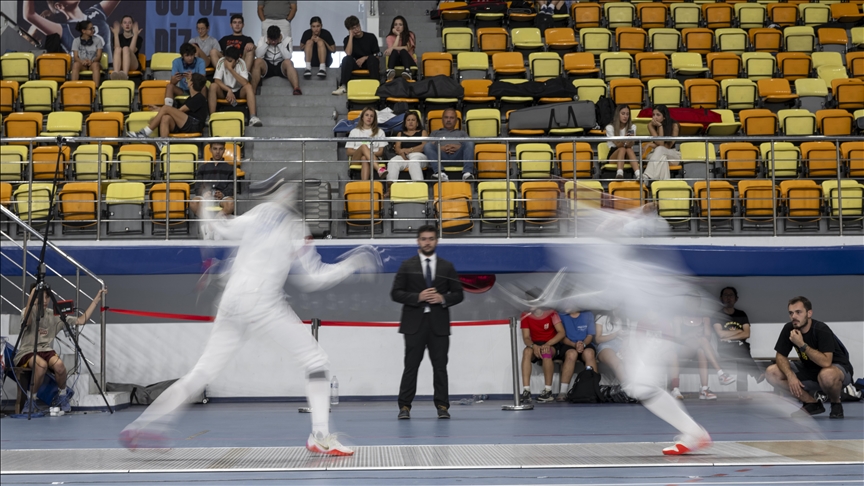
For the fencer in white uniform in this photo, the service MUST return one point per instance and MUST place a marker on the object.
(272, 244)
(639, 285)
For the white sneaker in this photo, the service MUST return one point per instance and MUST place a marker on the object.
(467, 176)
(255, 121)
(391, 73)
(676, 393)
(707, 395)
(329, 445)
(684, 444)
(726, 378)
(444, 177)
(339, 91)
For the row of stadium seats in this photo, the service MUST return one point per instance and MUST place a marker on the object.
(647, 13)
(26, 66)
(133, 162)
(597, 40)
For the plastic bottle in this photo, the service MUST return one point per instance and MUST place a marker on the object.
(480, 398)
(334, 391)
(466, 401)
(362, 8)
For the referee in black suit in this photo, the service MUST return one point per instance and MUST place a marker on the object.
(426, 286)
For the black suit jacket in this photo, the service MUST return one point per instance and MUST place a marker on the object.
(408, 284)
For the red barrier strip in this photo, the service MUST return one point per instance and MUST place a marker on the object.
(396, 324)
(163, 315)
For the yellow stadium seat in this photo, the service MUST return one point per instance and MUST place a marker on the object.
(781, 160)
(685, 15)
(853, 158)
(8, 96)
(457, 39)
(844, 202)
(526, 40)
(140, 119)
(723, 65)
(801, 204)
(136, 162)
(38, 96)
(361, 93)
(590, 89)
(652, 15)
(86, 164)
(702, 93)
(799, 39)
(409, 200)
(560, 39)
(731, 40)
(483, 123)
(616, 65)
(160, 65)
(78, 204)
(667, 92)
(759, 198)
(17, 66)
(714, 204)
(534, 160)
(740, 94)
(667, 41)
(497, 202)
(31, 202)
(595, 40)
(580, 65)
(759, 65)
(758, 122)
(697, 39)
(13, 159)
(674, 200)
(63, 124)
(687, 64)
(179, 161)
(619, 14)
(750, 15)
(627, 92)
(472, 65)
(453, 206)
(726, 127)
(814, 13)
(118, 95)
(848, 93)
(169, 207)
(45, 162)
(22, 125)
(583, 196)
(544, 65)
(740, 159)
(53, 66)
(540, 205)
(586, 15)
(766, 40)
(819, 159)
(230, 124)
(627, 194)
(125, 207)
(493, 39)
(812, 93)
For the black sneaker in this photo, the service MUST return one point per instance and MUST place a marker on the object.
(404, 413)
(525, 397)
(545, 397)
(307, 73)
(442, 412)
(836, 411)
(811, 409)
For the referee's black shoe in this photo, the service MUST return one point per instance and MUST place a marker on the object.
(442, 412)
(404, 413)
(836, 411)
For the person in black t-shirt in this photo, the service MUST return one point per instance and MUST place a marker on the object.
(318, 45)
(214, 180)
(128, 42)
(361, 49)
(824, 361)
(237, 40)
(189, 118)
(732, 327)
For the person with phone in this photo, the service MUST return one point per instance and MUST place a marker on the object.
(182, 70)
(622, 153)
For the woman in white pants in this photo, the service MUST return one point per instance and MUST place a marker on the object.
(409, 155)
(272, 243)
(661, 125)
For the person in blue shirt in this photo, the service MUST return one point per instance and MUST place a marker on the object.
(578, 345)
(181, 69)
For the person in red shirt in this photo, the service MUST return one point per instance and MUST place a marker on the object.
(542, 333)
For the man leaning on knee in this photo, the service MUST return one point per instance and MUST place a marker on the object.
(823, 364)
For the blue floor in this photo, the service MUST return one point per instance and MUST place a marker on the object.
(374, 423)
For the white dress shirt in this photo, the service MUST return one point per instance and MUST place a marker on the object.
(433, 264)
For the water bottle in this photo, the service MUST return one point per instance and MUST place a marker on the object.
(480, 398)
(334, 391)
(466, 401)
(361, 9)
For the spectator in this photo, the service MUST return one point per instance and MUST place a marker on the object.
(206, 47)
(824, 362)
(71, 11)
(542, 332)
(87, 52)
(732, 327)
(621, 152)
(318, 45)
(231, 80)
(610, 341)
(400, 47)
(361, 49)
(181, 68)
(189, 118)
(427, 287)
(552, 7)
(409, 155)
(661, 125)
(452, 153)
(274, 58)
(367, 152)
(693, 332)
(279, 13)
(244, 43)
(128, 42)
(215, 181)
(46, 357)
(578, 343)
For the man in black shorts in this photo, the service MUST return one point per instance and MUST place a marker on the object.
(824, 361)
(189, 118)
(231, 80)
(273, 58)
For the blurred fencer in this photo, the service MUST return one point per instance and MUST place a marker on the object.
(272, 243)
(639, 285)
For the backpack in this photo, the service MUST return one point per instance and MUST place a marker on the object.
(586, 388)
(543, 22)
(605, 111)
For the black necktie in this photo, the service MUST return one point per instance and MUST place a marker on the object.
(428, 273)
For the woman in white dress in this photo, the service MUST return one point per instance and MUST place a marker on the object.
(369, 153)
(662, 125)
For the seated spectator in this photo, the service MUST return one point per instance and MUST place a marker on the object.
(542, 332)
(622, 152)
(206, 47)
(823, 361)
(454, 153)
(577, 345)
(693, 333)
(274, 58)
(409, 155)
(368, 153)
(318, 45)
(610, 340)
(231, 81)
(361, 49)
(279, 13)
(181, 68)
(128, 42)
(189, 118)
(661, 125)
(400, 47)
(45, 356)
(214, 180)
(732, 327)
(243, 43)
(87, 52)
(552, 7)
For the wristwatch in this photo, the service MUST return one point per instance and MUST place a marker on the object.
(803, 347)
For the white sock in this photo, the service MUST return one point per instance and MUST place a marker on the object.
(29, 395)
(564, 388)
(620, 172)
(636, 174)
(719, 372)
(526, 388)
(147, 131)
(318, 395)
(322, 67)
(547, 387)
(672, 412)
(169, 101)
(61, 391)
(704, 388)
